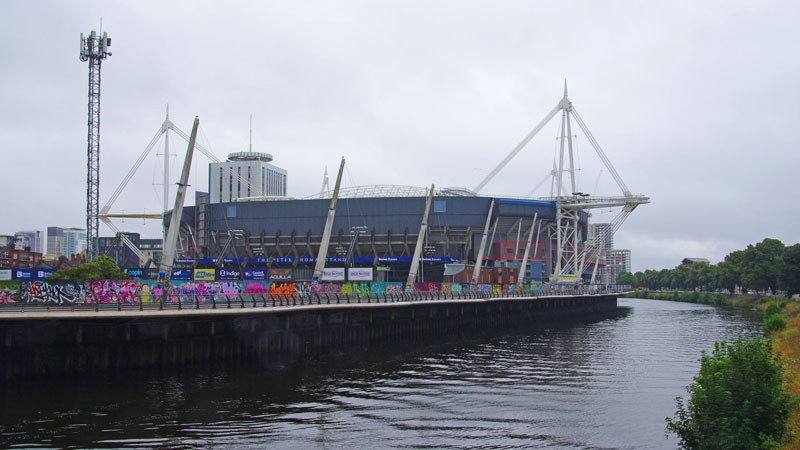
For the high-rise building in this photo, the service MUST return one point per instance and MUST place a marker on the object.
(65, 241)
(602, 234)
(245, 174)
(617, 262)
(115, 248)
(32, 240)
(5, 240)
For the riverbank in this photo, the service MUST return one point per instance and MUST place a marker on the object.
(759, 302)
(70, 342)
(785, 342)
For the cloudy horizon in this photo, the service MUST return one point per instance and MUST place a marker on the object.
(693, 103)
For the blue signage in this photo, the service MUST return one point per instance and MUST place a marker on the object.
(134, 273)
(258, 260)
(208, 260)
(437, 259)
(184, 261)
(42, 274)
(229, 274)
(233, 260)
(333, 259)
(255, 273)
(22, 274)
(181, 274)
(403, 259)
(283, 260)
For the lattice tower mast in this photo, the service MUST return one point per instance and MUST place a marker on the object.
(94, 48)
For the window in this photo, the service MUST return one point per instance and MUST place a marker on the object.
(231, 212)
(439, 206)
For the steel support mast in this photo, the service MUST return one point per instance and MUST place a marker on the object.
(94, 48)
(322, 255)
(171, 241)
(423, 230)
(573, 251)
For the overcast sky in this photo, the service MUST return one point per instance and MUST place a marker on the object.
(696, 104)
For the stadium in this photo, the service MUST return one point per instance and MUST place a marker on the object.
(246, 224)
(378, 227)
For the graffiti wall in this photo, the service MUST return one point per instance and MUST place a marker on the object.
(7, 295)
(148, 291)
(55, 293)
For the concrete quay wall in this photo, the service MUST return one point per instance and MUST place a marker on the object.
(63, 343)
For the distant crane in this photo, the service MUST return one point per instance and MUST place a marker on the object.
(94, 48)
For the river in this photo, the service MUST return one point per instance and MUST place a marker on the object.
(603, 383)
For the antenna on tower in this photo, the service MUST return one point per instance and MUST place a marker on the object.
(94, 48)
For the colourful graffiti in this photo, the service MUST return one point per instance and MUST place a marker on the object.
(7, 295)
(307, 288)
(356, 289)
(377, 288)
(51, 293)
(282, 288)
(255, 289)
(112, 291)
(135, 291)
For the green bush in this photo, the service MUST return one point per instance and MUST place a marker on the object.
(774, 322)
(736, 401)
(104, 268)
(771, 309)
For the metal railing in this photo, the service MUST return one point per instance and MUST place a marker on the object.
(279, 300)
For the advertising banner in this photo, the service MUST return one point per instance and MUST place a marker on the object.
(134, 273)
(333, 274)
(22, 274)
(280, 274)
(255, 273)
(151, 273)
(42, 274)
(181, 274)
(229, 274)
(204, 274)
(5, 274)
(359, 274)
(331, 259)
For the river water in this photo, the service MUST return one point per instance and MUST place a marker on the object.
(603, 383)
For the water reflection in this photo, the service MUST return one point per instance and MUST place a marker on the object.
(603, 383)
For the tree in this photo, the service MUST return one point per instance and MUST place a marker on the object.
(763, 265)
(627, 278)
(104, 268)
(790, 275)
(729, 273)
(737, 400)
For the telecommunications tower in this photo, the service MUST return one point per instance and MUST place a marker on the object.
(94, 48)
